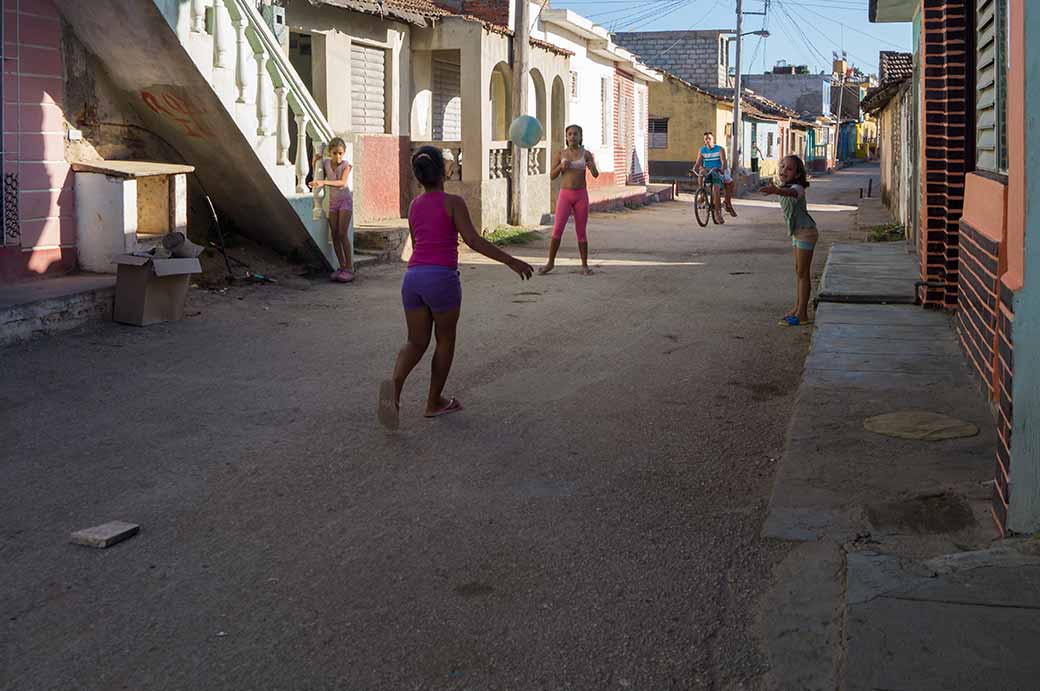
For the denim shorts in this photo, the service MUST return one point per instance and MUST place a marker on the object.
(438, 288)
(805, 239)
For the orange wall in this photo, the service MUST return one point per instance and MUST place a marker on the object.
(1016, 131)
(985, 205)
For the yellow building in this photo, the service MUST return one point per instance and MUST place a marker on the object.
(680, 114)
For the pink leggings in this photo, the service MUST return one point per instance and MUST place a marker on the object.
(578, 200)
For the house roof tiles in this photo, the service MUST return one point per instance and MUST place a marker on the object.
(425, 13)
(894, 65)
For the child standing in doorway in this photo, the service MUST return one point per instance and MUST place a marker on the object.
(802, 229)
(337, 171)
(431, 292)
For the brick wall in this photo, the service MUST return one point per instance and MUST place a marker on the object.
(493, 11)
(1005, 365)
(44, 239)
(979, 301)
(948, 141)
(624, 136)
(691, 55)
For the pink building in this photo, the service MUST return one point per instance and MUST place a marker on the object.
(39, 234)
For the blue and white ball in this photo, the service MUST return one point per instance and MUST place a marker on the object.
(525, 131)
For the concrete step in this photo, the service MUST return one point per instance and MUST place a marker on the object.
(50, 305)
(388, 241)
(617, 198)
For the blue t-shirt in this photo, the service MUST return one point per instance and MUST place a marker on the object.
(712, 157)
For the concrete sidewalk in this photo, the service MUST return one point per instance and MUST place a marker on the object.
(893, 580)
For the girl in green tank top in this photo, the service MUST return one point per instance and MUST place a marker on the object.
(802, 229)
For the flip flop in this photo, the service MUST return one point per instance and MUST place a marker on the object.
(453, 407)
(387, 411)
(791, 320)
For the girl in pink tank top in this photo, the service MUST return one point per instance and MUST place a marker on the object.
(431, 291)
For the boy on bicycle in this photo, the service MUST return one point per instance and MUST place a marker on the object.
(712, 158)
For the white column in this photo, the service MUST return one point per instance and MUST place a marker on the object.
(198, 16)
(282, 143)
(302, 121)
(221, 34)
(241, 60)
(262, 105)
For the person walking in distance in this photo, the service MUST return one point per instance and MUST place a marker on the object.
(431, 291)
(570, 165)
(337, 171)
(802, 229)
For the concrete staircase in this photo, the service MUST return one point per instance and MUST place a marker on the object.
(211, 79)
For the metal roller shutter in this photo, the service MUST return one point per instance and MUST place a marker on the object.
(367, 92)
(447, 102)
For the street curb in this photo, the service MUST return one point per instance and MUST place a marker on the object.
(804, 618)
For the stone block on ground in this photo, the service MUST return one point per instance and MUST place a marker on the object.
(105, 535)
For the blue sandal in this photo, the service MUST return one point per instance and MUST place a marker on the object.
(791, 320)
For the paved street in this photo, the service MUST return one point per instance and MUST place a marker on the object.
(591, 520)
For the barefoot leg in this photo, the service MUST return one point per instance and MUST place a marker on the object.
(445, 329)
(554, 247)
(420, 327)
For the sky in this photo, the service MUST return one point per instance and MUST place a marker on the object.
(802, 32)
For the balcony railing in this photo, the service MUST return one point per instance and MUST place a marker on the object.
(500, 160)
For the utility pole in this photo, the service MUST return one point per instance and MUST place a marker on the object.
(841, 99)
(521, 52)
(735, 150)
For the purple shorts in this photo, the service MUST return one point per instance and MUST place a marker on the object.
(343, 203)
(436, 287)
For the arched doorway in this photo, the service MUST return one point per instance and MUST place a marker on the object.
(500, 101)
(536, 99)
(557, 137)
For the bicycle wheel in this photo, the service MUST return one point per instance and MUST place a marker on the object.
(702, 206)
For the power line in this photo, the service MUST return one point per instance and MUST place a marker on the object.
(679, 40)
(640, 15)
(844, 25)
(657, 17)
(813, 50)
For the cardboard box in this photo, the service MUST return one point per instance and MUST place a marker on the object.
(150, 290)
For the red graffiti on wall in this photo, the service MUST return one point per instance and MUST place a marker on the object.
(179, 109)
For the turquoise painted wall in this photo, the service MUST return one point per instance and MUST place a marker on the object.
(1024, 512)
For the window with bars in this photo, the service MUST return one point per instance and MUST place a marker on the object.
(991, 17)
(769, 145)
(605, 84)
(574, 86)
(657, 133)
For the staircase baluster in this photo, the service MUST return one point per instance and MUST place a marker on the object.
(319, 174)
(302, 122)
(282, 143)
(198, 16)
(241, 57)
(262, 107)
(221, 20)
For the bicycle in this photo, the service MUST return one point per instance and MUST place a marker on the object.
(702, 206)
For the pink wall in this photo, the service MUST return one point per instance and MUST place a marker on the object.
(383, 178)
(34, 142)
